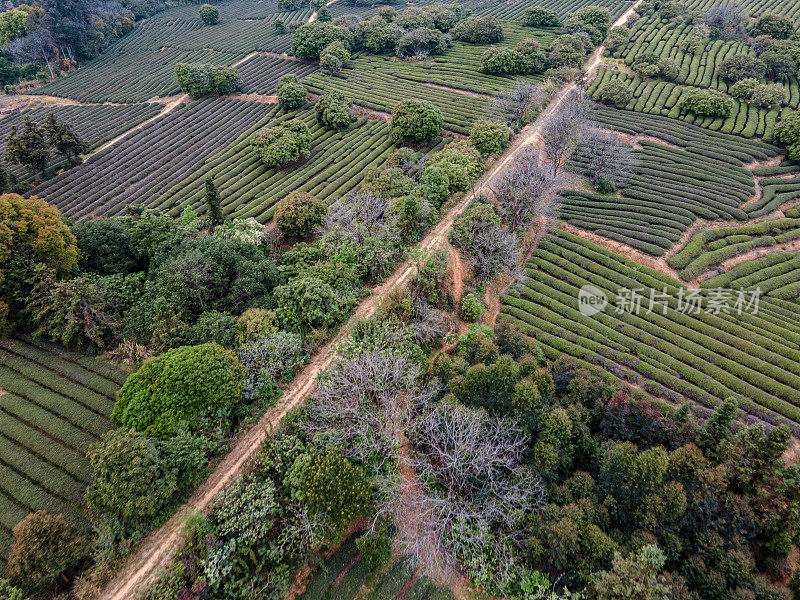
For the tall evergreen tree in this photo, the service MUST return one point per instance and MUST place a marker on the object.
(212, 200)
(63, 139)
(28, 148)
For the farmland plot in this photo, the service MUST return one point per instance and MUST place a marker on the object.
(337, 164)
(53, 405)
(673, 354)
(148, 163)
(790, 8)
(93, 124)
(260, 74)
(515, 9)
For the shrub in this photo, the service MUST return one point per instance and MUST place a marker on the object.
(105, 247)
(46, 547)
(774, 26)
(541, 17)
(291, 93)
(306, 303)
(478, 30)
(705, 102)
(254, 323)
(283, 144)
(334, 110)
(592, 20)
(200, 80)
(489, 137)
(214, 326)
(461, 163)
(615, 92)
(778, 65)
(504, 61)
(432, 17)
(415, 121)
(333, 486)
(270, 359)
(196, 385)
(422, 40)
(334, 57)
(309, 40)
(299, 214)
(763, 95)
(787, 131)
(472, 308)
(209, 14)
(10, 592)
(434, 185)
(741, 66)
(376, 35)
(375, 549)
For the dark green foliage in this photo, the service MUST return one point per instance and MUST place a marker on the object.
(472, 308)
(63, 140)
(308, 41)
(283, 144)
(540, 17)
(775, 26)
(10, 592)
(592, 20)
(105, 247)
(787, 131)
(478, 30)
(461, 163)
(741, 66)
(333, 486)
(415, 121)
(376, 35)
(215, 327)
(778, 65)
(28, 148)
(334, 110)
(704, 102)
(375, 548)
(616, 93)
(422, 40)
(213, 203)
(489, 137)
(334, 57)
(291, 93)
(428, 281)
(306, 303)
(194, 385)
(200, 80)
(209, 14)
(504, 61)
(299, 214)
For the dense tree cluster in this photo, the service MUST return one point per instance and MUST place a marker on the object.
(201, 80)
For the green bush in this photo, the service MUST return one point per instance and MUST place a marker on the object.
(489, 137)
(209, 14)
(478, 30)
(376, 35)
(333, 486)
(306, 303)
(200, 80)
(415, 121)
(334, 110)
(775, 26)
(214, 326)
(461, 163)
(540, 17)
(299, 214)
(283, 144)
(291, 93)
(422, 39)
(472, 308)
(334, 57)
(195, 385)
(704, 102)
(504, 61)
(615, 93)
(741, 66)
(10, 592)
(309, 40)
(375, 549)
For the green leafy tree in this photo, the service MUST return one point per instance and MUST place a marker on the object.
(787, 131)
(415, 121)
(197, 81)
(299, 215)
(637, 577)
(424, 41)
(334, 110)
(213, 203)
(717, 427)
(334, 57)
(10, 592)
(504, 61)
(774, 26)
(616, 93)
(28, 148)
(291, 93)
(741, 66)
(376, 35)
(45, 550)
(489, 137)
(308, 41)
(478, 30)
(333, 486)
(540, 17)
(706, 102)
(195, 385)
(105, 247)
(283, 144)
(63, 139)
(306, 303)
(209, 14)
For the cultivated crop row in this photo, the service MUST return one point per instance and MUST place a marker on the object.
(147, 164)
(776, 275)
(93, 124)
(704, 357)
(515, 10)
(337, 164)
(790, 8)
(658, 97)
(54, 404)
(775, 192)
(131, 76)
(261, 73)
(381, 91)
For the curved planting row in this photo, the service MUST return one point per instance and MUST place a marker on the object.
(704, 357)
(260, 74)
(235, 9)
(148, 163)
(790, 8)
(51, 409)
(93, 124)
(776, 275)
(502, 9)
(663, 98)
(131, 76)
(382, 91)
(711, 248)
(775, 192)
(337, 164)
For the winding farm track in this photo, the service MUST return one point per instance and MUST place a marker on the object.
(147, 562)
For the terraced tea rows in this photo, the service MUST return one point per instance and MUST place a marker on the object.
(148, 163)
(260, 74)
(658, 97)
(775, 275)
(53, 405)
(338, 163)
(790, 8)
(704, 357)
(515, 10)
(93, 124)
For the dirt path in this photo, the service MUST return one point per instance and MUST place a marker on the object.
(147, 562)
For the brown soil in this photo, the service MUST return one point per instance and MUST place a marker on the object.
(257, 98)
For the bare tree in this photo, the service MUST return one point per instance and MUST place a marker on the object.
(565, 128)
(606, 156)
(522, 102)
(492, 249)
(523, 191)
(729, 18)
